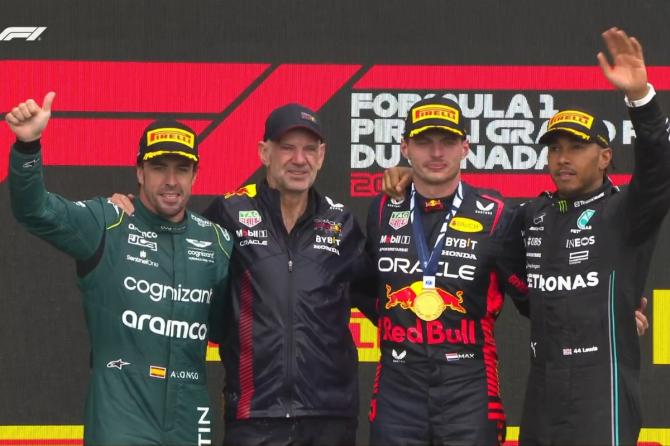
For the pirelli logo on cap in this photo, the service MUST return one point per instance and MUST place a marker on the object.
(435, 111)
(157, 372)
(170, 135)
(574, 116)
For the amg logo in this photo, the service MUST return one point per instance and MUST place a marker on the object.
(29, 33)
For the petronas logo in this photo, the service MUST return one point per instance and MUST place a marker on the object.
(584, 219)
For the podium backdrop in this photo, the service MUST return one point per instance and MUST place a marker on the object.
(221, 66)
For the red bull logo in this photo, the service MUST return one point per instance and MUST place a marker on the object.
(249, 190)
(328, 226)
(432, 332)
(433, 205)
(426, 304)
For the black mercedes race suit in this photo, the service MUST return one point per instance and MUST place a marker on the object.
(587, 260)
(437, 380)
(287, 348)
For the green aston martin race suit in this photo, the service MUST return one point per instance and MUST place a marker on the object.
(147, 286)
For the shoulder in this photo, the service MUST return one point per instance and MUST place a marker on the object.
(224, 207)
(208, 232)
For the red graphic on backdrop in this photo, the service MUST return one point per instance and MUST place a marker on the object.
(107, 105)
(106, 96)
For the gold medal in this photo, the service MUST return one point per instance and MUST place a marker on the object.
(428, 305)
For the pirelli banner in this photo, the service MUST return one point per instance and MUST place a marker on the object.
(221, 67)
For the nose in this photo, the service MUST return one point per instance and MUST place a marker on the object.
(171, 177)
(299, 156)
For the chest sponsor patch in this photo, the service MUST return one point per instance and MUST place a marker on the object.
(483, 208)
(399, 219)
(249, 218)
(464, 224)
(584, 218)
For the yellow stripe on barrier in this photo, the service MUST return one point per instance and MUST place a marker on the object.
(659, 324)
(72, 432)
(41, 432)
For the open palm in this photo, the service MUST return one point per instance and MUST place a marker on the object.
(628, 72)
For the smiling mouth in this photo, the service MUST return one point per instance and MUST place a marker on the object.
(170, 196)
(564, 175)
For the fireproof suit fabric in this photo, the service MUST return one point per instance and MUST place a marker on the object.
(287, 348)
(147, 286)
(587, 261)
(437, 380)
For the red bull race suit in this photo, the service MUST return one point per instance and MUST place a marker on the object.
(287, 348)
(437, 380)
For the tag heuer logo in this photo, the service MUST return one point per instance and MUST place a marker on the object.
(250, 218)
(399, 219)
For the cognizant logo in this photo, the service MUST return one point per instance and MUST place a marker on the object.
(158, 291)
(165, 327)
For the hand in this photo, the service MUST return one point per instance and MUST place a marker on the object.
(125, 202)
(396, 180)
(628, 72)
(28, 120)
(640, 319)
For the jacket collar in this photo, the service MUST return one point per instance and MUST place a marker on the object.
(565, 204)
(271, 198)
(158, 223)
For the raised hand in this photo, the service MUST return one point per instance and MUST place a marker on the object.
(28, 120)
(627, 72)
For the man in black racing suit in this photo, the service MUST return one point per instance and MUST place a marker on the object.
(435, 253)
(588, 249)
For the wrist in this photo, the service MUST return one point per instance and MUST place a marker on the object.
(28, 147)
(640, 97)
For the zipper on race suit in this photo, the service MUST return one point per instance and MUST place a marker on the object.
(288, 381)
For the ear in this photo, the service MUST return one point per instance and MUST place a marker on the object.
(404, 150)
(321, 155)
(466, 148)
(139, 171)
(264, 152)
(605, 158)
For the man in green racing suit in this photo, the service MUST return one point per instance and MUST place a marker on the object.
(148, 281)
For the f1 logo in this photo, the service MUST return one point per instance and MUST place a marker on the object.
(28, 33)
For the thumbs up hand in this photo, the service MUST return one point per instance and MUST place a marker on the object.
(28, 120)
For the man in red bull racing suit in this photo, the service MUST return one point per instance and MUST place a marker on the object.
(439, 291)
(147, 283)
(588, 250)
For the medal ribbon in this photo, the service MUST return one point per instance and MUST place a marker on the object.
(428, 261)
